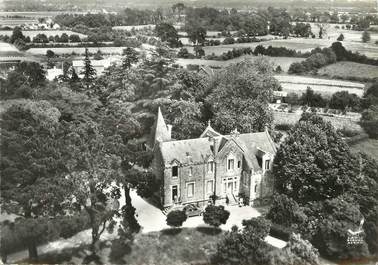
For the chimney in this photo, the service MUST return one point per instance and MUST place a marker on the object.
(169, 128)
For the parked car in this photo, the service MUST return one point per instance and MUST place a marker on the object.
(192, 210)
(189, 209)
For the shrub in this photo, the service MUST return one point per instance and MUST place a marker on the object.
(229, 40)
(176, 218)
(280, 231)
(215, 215)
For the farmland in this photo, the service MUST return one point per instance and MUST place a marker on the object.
(326, 87)
(339, 122)
(284, 62)
(351, 42)
(48, 33)
(349, 69)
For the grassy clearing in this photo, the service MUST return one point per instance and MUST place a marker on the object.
(349, 69)
(284, 62)
(368, 146)
(166, 247)
(299, 84)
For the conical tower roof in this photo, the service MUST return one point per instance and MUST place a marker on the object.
(160, 132)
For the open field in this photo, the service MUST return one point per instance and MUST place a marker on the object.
(48, 33)
(339, 122)
(368, 146)
(350, 69)
(284, 62)
(299, 84)
(298, 44)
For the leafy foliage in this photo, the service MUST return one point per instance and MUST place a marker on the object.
(240, 95)
(176, 218)
(215, 215)
(314, 163)
(246, 246)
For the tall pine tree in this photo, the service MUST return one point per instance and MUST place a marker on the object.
(89, 72)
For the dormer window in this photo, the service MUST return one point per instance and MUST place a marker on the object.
(230, 164)
(174, 171)
(267, 164)
(210, 166)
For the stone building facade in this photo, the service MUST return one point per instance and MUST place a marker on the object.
(232, 166)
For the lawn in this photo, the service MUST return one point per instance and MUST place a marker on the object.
(299, 84)
(166, 247)
(284, 62)
(349, 69)
(368, 146)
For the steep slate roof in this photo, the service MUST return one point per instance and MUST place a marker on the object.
(198, 150)
(189, 151)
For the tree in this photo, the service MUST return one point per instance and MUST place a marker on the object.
(25, 75)
(343, 100)
(340, 51)
(365, 36)
(285, 211)
(130, 57)
(32, 167)
(167, 33)
(215, 215)
(246, 246)
(40, 38)
(196, 34)
(17, 35)
(93, 165)
(341, 37)
(176, 218)
(332, 221)
(312, 99)
(74, 38)
(369, 121)
(50, 54)
(314, 163)
(89, 72)
(240, 95)
(198, 50)
(64, 38)
(302, 30)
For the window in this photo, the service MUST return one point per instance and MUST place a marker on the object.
(190, 171)
(210, 166)
(209, 187)
(230, 164)
(190, 190)
(174, 171)
(174, 193)
(239, 164)
(267, 164)
(256, 188)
